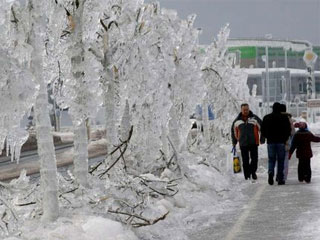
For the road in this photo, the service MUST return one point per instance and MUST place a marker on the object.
(273, 212)
(32, 155)
(30, 160)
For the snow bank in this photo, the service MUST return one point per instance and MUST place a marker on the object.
(80, 228)
(207, 178)
(102, 228)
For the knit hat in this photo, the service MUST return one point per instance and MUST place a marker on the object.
(300, 125)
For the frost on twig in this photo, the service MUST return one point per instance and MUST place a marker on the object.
(172, 163)
(139, 221)
(123, 144)
(18, 199)
(135, 199)
(163, 188)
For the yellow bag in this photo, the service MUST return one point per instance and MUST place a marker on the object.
(236, 161)
(236, 164)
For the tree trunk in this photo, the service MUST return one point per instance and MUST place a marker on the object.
(174, 128)
(205, 120)
(80, 132)
(48, 167)
(46, 151)
(81, 154)
(109, 103)
(125, 122)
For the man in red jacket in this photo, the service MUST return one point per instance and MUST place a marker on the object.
(245, 129)
(301, 141)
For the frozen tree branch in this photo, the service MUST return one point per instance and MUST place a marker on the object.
(174, 156)
(123, 143)
(114, 163)
(150, 222)
(146, 222)
(25, 204)
(168, 186)
(70, 191)
(96, 53)
(10, 207)
(15, 20)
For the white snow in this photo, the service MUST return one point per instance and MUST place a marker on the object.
(293, 71)
(81, 227)
(145, 63)
(294, 45)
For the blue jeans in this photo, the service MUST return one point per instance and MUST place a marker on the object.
(276, 153)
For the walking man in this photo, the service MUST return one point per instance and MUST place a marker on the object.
(246, 130)
(276, 128)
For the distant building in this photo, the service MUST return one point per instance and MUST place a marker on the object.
(287, 70)
(251, 57)
(291, 82)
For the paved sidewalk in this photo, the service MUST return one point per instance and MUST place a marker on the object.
(271, 212)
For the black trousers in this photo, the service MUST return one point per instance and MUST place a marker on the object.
(304, 169)
(249, 167)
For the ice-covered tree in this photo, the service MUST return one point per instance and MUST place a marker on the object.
(226, 86)
(188, 86)
(81, 90)
(17, 87)
(78, 91)
(16, 99)
(113, 24)
(163, 83)
(26, 43)
(48, 171)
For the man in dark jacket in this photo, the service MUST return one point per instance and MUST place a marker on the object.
(245, 130)
(276, 129)
(301, 141)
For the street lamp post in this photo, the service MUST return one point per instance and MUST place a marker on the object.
(285, 59)
(284, 88)
(310, 59)
(267, 78)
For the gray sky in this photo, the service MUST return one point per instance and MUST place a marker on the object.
(284, 19)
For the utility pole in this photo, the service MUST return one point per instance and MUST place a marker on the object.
(310, 59)
(267, 79)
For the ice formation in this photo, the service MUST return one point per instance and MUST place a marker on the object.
(145, 64)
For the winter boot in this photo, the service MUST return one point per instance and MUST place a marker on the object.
(270, 179)
(254, 176)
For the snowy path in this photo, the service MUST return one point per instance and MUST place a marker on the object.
(272, 212)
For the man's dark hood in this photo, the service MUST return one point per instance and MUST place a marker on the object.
(276, 107)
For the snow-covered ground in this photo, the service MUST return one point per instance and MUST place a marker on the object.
(205, 193)
(157, 188)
